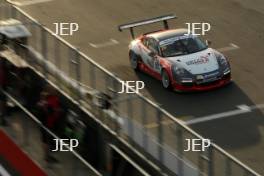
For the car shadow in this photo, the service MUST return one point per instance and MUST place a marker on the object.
(231, 132)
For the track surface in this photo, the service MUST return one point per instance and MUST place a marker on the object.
(233, 21)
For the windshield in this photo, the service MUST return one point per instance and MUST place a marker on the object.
(182, 46)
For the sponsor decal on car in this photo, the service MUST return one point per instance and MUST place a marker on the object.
(214, 74)
(201, 60)
(207, 77)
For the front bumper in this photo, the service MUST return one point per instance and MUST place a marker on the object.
(191, 87)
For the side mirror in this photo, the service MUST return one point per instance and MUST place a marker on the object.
(208, 42)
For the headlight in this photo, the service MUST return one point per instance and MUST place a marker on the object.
(223, 62)
(178, 70)
(180, 73)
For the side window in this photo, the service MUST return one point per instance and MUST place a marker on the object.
(145, 42)
(153, 46)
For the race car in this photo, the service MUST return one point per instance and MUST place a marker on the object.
(178, 59)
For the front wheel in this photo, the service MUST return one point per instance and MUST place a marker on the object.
(165, 79)
(133, 60)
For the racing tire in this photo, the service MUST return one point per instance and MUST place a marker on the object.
(165, 80)
(134, 59)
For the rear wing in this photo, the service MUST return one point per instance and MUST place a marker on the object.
(163, 18)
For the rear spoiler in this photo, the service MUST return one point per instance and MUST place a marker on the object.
(163, 18)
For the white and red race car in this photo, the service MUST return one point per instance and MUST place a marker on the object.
(180, 60)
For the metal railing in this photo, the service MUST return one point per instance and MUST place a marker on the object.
(27, 134)
(143, 124)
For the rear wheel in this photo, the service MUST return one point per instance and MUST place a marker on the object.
(165, 79)
(134, 58)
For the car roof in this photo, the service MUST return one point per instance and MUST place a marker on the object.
(167, 34)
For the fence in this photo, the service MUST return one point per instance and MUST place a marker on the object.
(142, 123)
(27, 134)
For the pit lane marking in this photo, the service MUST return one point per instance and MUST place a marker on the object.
(111, 42)
(242, 109)
(3, 172)
(28, 2)
(231, 47)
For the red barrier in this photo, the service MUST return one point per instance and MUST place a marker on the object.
(17, 158)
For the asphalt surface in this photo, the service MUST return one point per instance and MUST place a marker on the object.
(233, 21)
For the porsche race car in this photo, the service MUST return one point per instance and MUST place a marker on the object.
(181, 61)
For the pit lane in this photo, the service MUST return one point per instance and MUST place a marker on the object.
(232, 22)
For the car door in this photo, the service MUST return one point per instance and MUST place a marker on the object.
(150, 53)
(155, 56)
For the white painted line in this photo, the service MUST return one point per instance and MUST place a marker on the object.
(3, 172)
(28, 2)
(241, 110)
(234, 45)
(231, 47)
(215, 116)
(111, 42)
(244, 107)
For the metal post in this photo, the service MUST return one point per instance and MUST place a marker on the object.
(44, 50)
(201, 163)
(102, 146)
(130, 120)
(1, 7)
(115, 104)
(144, 122)
(13, 12)
(75, 169)
(166, 25)
(25, 53)
(132, 33)
(210, 161)
(57, 57)
(78, 73)
(92, 76)
(228, 171)
(106, 79)
(26, 134)
(71, 62)
(9, 11)
(179, 139)
(247, 173)
(108, 159)
(160, 135)
(74, 70)
(34, 38)
(6, 12)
